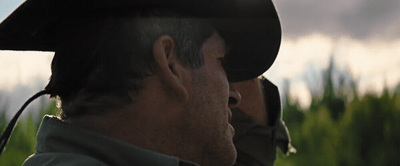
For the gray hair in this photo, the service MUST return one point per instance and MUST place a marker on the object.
(113, 69)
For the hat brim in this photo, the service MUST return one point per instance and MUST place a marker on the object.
(251, 28)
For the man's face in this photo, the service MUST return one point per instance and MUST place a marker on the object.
(207, 112)
(252, 104)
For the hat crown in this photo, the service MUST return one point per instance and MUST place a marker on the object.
(252, 27)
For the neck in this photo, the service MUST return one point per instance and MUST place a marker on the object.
(150, 122)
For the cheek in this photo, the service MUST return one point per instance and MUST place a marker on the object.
(219, 93)
(224, 87)
(219, 82)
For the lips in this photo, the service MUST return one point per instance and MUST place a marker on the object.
(229, 122)
(232, 130)
(229, 115)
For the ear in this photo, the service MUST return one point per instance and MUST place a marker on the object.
(169, 68)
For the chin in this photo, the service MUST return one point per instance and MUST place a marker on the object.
(229, 154)
(230, 151)
(234, 155)
(222, 155)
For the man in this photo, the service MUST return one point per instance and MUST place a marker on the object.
(143, 82)
(258, 124)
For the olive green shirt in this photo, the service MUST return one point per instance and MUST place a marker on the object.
(60, 144)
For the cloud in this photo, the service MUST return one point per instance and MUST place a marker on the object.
(297, 56)
(21, 67)
(373, 64)
(359, 19)
(12, 100)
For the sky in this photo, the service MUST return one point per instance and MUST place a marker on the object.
(362, 36)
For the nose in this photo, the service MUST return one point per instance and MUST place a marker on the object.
(234, 98)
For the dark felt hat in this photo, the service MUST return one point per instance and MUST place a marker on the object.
(251, 27)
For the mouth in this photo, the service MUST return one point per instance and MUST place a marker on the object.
(232, 130)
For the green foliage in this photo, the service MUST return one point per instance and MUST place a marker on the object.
(23, 139)
(336, 131)
(371, 128)
(367, 134)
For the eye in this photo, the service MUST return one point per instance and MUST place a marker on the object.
(223, 62)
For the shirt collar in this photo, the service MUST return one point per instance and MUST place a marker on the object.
(57, 136)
